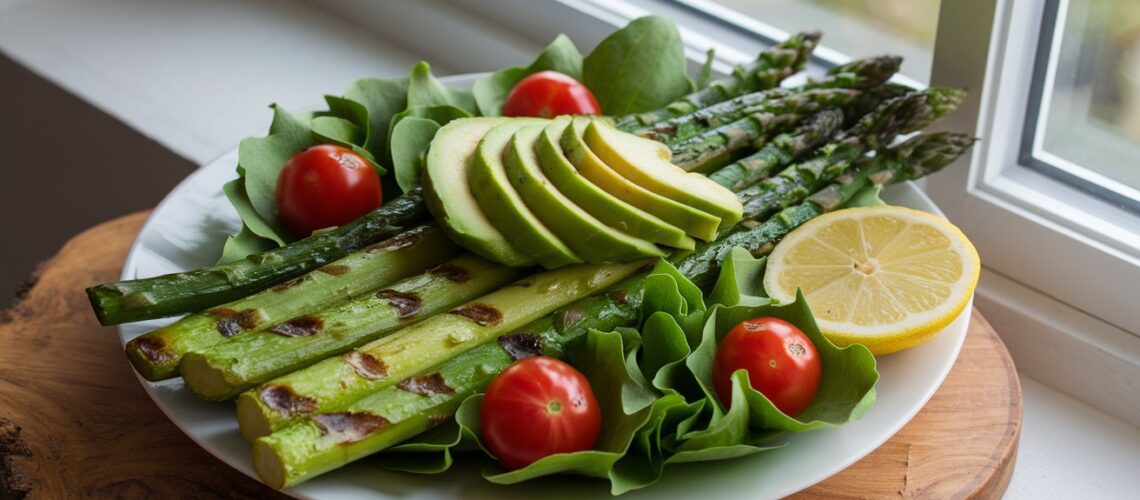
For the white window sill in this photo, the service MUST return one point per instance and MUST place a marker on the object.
(197, 79)
(1069, 449)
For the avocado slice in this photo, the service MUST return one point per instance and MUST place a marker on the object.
(696, 223)
(505, 208)
(596, 201)
(647, 163)
(449, 197)
(585, 235)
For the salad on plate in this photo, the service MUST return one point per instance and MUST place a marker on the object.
(595, 265)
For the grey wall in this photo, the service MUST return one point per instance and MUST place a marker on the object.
(66, 166)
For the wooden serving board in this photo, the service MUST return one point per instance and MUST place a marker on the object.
(75, 422)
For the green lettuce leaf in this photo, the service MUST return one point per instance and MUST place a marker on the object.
(247, 241)
(260, 160)
(381, 100)
(561, 56)
(425, 90)
(638, 68)
(411, 133)
(411, 138)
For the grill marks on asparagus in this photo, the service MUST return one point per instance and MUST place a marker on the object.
(229, 322)
(155, 349)
(481, 314)
(451, 272)
(303, 326)
(283, 400)
(402, 240)
(425, 385)
(335, 269)
(281, 287)
(406, 304)
(348, 427)
(366, 365)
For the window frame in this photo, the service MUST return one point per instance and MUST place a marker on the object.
(1012, 213)
(1033, 154)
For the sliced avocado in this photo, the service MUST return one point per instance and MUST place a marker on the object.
(596, 201)
(449, 197)
(585, 235)
(694, 222)
(647, 163)
(505, 208)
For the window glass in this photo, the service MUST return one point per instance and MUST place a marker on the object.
(1088, 119)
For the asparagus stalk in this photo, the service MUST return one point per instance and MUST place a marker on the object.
(239, 363)
(779, 151)
(338, 381)
(900, 115)
(191, 291)
(791, 106)
(327, 440)
(717, 146)
(859, 75)
(156, 354)
(767, 71)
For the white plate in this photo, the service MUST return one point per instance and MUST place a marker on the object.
(187, 229)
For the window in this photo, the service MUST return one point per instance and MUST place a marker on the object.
(1083, 127)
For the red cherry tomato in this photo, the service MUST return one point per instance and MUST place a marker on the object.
(548, 94)
(781, 361)
(538, 406)
(325, 186)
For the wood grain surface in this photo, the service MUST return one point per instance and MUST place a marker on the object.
(75, 422)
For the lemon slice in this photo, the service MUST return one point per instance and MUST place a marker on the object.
(885, 277)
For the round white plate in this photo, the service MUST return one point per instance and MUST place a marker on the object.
(186, 231)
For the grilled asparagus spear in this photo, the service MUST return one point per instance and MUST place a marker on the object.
(191, 291)
(863, 74)
(156, 354)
